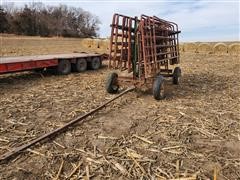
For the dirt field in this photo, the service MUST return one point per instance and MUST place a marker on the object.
(195, 130)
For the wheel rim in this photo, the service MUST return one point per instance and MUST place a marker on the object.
(82, 65)
(95, 63)
(162, 90)
(114, 87)
(65, 66)
(114, 84)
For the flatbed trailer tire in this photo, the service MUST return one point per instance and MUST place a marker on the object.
(81, 65)
(95, 63)
(64, 67)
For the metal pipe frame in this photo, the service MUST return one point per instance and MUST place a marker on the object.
(157, 47)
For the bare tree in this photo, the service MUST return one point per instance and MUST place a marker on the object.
(37, 19)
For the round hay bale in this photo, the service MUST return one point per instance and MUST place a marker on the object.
(108, 44)
(234, 49)
(190, 47)
(220, 48)
(205, 48)
(95, 44)
(90, 43)
(82, 42)
(104, 45)
(87, 43)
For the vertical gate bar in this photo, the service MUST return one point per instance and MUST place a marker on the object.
(116, 39)
(129, 44)
(111, 42)
(148, 65)
(152, 68)
(143, 47)
(135, 46)
(125, 48)
(152, 45)
(154, 42)
(119, 65)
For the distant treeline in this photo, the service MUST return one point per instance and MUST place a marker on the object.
(36, 19)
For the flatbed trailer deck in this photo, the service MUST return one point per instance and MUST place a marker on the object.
(64, 63)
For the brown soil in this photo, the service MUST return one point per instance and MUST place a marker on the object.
(195, 130)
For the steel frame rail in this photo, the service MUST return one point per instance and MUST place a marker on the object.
(19, 149)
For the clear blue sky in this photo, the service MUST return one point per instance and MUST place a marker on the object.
(199, 20)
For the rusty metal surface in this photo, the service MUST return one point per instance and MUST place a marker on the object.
(145, 47)
(121, 38)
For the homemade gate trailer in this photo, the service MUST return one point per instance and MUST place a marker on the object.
(147, 49)
(63, 63)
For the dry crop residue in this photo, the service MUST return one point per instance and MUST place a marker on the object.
(195, 130)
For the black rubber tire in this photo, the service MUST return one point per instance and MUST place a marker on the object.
(64, 67)
(39, 70)
(158, 88)
(177, 73)
(111, 85)
(95, 63)
(81, 65)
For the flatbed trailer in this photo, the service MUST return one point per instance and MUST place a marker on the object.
(63, 63)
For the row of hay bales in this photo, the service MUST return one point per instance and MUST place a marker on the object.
(211, 48)
(102, 46)
(98, 45)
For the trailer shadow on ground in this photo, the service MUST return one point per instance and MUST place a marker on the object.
(194, 85)
(190, 85)
(26, 77)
